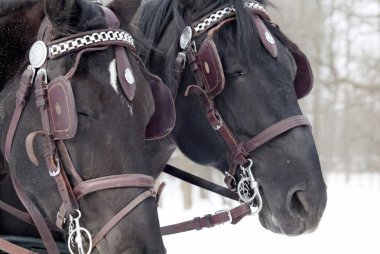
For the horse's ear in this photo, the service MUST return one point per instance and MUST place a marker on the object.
(125, 10)
(63, 14)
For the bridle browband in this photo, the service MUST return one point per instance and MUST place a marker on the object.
(247, 188)
(57, 158)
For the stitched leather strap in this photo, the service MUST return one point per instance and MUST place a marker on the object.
(21, 97)
(111, 182)
(208, 221)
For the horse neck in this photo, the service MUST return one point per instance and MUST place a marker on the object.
(18, 31)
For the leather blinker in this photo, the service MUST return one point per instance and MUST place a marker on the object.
(211, 67)
(163, 119)
(62, 112)
(303, 82)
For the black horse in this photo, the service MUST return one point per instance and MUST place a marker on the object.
(109, 140)
(263, 73)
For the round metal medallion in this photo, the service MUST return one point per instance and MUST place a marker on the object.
(269, 37)
(186, 36)
(129, 76)
(38, 54)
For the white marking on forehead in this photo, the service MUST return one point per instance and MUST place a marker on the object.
(113, 75)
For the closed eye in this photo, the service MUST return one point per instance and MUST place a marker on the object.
(82, 114)
(234, 75)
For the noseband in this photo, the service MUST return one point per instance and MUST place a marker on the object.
(208, 72)
(59, 121)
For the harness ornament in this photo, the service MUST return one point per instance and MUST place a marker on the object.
(186, 36)
(38, 54)
(78, 235)
(248, 188)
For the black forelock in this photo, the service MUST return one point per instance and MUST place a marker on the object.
(7, 6)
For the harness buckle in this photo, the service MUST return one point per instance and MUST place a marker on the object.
(58, 167)
(220, 124)
(183, 57)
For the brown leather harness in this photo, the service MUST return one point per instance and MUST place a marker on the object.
(208, 72)
(55, 101)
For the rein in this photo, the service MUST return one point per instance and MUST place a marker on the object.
(57, 158)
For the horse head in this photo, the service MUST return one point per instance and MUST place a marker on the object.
(95, 102)
(237, 80)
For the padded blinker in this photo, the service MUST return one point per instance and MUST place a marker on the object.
(163, 120)
(303, 82)
(62, 112)
(211, 67)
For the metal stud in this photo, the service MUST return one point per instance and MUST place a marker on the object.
(38, 54)
(269, 37)
(129, 76)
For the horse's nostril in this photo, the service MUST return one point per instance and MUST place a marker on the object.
(298, 205)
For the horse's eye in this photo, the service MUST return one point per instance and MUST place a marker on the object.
(88, 116)
(234, 75)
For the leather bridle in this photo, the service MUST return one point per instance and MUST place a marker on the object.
(247, 188)
(57, 158)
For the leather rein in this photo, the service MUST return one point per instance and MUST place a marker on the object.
(57, 158)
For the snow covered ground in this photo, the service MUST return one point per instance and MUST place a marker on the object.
(351, 223)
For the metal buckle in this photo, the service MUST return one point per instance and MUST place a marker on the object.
(58, 166)
(220, 125)
(184, 57)
(231, 176)
(43, 71)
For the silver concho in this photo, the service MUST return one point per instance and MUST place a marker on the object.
(129, 76)
(38, 54)
(186, 37)
(269, 37)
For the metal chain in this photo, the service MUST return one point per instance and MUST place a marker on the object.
(77, 43)
(220, 14)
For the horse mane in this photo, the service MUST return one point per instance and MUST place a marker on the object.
(14, 5)
(156, 15)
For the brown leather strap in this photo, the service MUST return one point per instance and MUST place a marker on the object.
(112, 182)
(11, 248)
(37, 217)
(208, 221)
(69, 166)
(23, 216)
(21, 97)
(275, 130)
(263, 137)
(118, 217)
